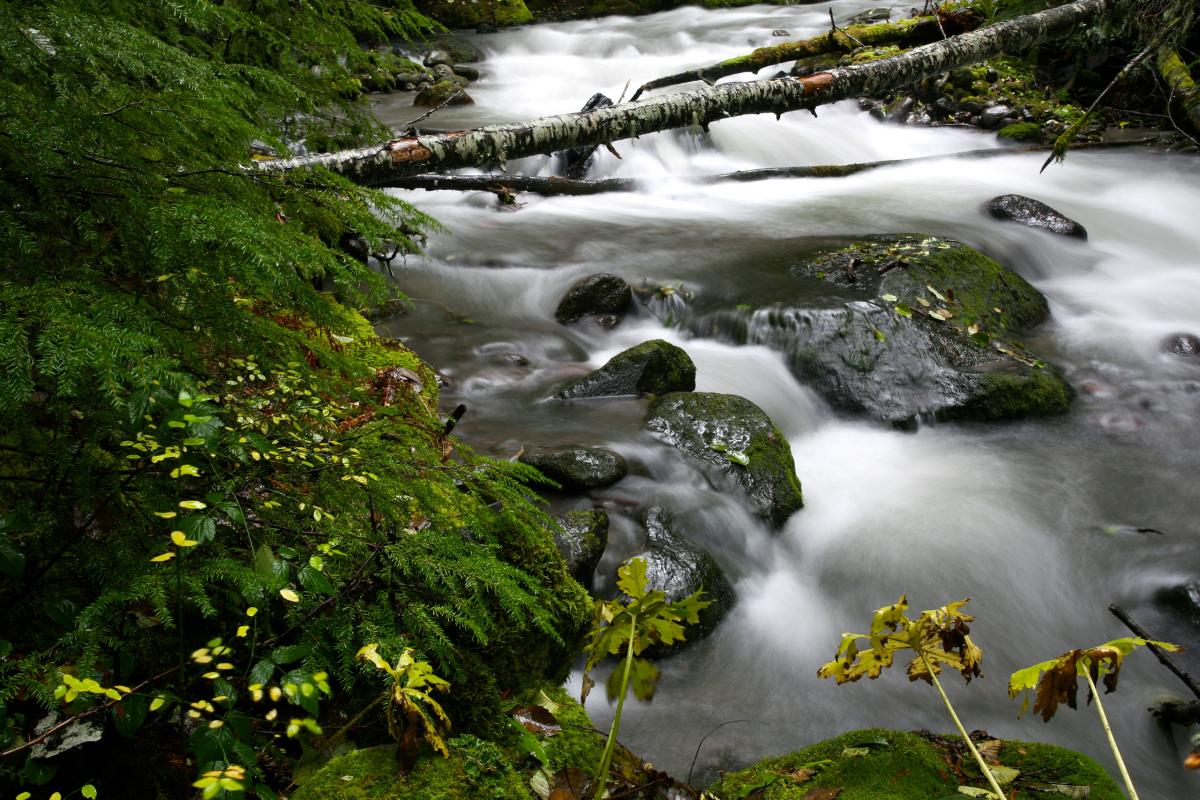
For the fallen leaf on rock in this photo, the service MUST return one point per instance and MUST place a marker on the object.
(856, 752)
(990, 750)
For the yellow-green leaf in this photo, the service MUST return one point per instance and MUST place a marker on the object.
(164, 557)
(181, 540)
(195, 505)
(289, 595)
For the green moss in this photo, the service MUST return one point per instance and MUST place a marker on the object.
(880, 764)
(469, 13)
(579, 744)
(475, 769)
(1010, 395)
(1021, 132)
(867, 54)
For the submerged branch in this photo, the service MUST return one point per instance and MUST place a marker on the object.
(554, 186)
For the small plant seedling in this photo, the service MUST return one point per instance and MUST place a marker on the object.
(1056, 681)
(938, 637)
(642, 618)
(413, 684)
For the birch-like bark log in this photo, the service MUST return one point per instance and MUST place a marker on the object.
(495, 144)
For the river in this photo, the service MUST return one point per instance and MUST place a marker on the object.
(1034, 521)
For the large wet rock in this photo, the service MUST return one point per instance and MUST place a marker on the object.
(444, 91)
(577, 469)
(654, 367)
(594, 295)
(1035, 214)
(1181, 344)
(678, 568)
(907, 327)
(581, 539)
(738, 442)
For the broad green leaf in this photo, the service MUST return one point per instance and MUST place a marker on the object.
(631, 578)
(971, 791)
(314, 581)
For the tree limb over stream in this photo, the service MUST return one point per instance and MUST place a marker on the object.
(495, 144)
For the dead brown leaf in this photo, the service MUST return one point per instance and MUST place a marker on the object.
(537, 719)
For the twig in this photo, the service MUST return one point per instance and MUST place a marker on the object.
(406, 128)
(705, 738)
(1120, 614)
(82, 715)
(836, 29)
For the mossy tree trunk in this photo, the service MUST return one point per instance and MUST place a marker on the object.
(495, 144)
(1181, 85)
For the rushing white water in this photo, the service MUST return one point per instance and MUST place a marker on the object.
(1011, 515)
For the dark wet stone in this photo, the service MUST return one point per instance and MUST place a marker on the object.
(722, 430)
(1035, 214)
(678, 568)
(994, 117)
(601, 293)
(578, 469)
(436, 57)
(464, 71)
(654, 367)
(780, 32)
(581, 540)
(1181, 344)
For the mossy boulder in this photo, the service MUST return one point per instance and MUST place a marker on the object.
(737, 442)
(496, 769)
(653, 367)
(444, 91)
(678, 568)
(1021, 132)
(581, 540)
(577, 469)
(879, 764)
(470, 13)
(906, 327)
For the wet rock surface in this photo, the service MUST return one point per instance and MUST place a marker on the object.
(654, 367)
(1181, 344)
(737, 443)
(596, 294)
(1035, 214)
(678, 568)
(578, 469)
(581, 540)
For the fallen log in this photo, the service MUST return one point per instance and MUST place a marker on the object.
(495, 144)
(904, 33)
(554, 186)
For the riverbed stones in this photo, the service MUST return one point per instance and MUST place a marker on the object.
(595, 295)
(444, 91)
(1035, 214)
(737, 443)
(650, 368)
(577, 469)
(1181, 344)
(909, 327)
(581, 539)
(677, 568)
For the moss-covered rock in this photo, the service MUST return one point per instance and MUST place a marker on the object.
(650, 368)
(909, 326)
(497, 769)
(880, 764)
(445, 91)
(738, 442)
(577, 469)
(469, 13)
(1021, 132)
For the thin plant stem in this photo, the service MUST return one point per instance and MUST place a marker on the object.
(1112, 742)
(611, 745)
(987, 773)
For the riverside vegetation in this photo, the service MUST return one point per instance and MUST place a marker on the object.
(230, 514)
